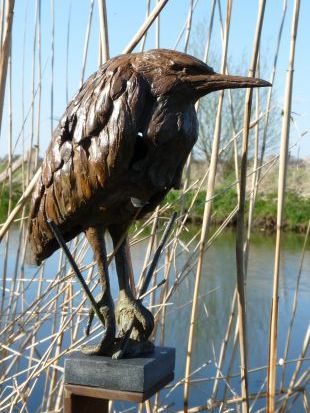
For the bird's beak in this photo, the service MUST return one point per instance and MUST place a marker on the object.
(204, 84)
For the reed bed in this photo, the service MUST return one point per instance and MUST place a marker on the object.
(43, 310)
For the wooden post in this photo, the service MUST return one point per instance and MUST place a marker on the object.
(74, 403)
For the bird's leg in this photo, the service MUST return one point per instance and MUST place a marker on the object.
(95, 236)
(129, 310)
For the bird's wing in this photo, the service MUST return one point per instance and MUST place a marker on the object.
(93, 143)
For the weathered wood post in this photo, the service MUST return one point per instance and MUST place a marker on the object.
(92, 381)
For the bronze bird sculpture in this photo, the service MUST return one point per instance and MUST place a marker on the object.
(119, 148)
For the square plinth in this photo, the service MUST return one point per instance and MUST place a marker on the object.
(139, 374)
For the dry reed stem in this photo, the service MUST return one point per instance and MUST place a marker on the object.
(55, 282)
(206, 218)
(305, 402)
(292, 384)
(187, 171)
(2, 21)
(52, 65)
(150, 248)
(240, 217)
(14, 167)
(231, 360)
(236, 375)
(67, 51)
(301, 384)
(23, 199)
(32, 111)
(188, 25)
(236, 400)
(9, 167)
(232, 312)
(86, 41)
(294, 305)
(5, 52)
(157, 30)
(236, 162)
(146, 25)
(45, 362)
(273, 340)
(37, 144)
(253, 192)
(224, 345)
(148, 8)
(183, 29)
(259, 160)
(104, 35)
(51, 377)
(272, 77)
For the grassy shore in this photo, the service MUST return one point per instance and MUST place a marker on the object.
(297, 209)
(297, 203)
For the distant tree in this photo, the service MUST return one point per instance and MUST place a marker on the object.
(232, 119)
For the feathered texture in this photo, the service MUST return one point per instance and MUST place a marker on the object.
(125, 135)
(97, 156)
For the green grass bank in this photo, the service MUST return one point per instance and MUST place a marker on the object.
(297, 208)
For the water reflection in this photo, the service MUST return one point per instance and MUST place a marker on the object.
(216, 292)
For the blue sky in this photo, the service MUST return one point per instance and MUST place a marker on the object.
(124, 18)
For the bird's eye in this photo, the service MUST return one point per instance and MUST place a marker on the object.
(185, 71)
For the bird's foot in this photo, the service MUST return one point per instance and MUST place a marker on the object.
(131, 313)
(106, 307)
(133, 348)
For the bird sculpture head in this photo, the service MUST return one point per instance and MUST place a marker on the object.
(175, 73)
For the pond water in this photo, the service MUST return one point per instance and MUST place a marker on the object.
(216, 291)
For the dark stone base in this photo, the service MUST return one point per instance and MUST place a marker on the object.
(139, 374)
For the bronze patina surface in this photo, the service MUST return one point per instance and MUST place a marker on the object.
(118, 149)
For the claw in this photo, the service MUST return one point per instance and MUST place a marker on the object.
(107, 310)
(91, 314)
(124, 343)
(104, 347)
(130, 313)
